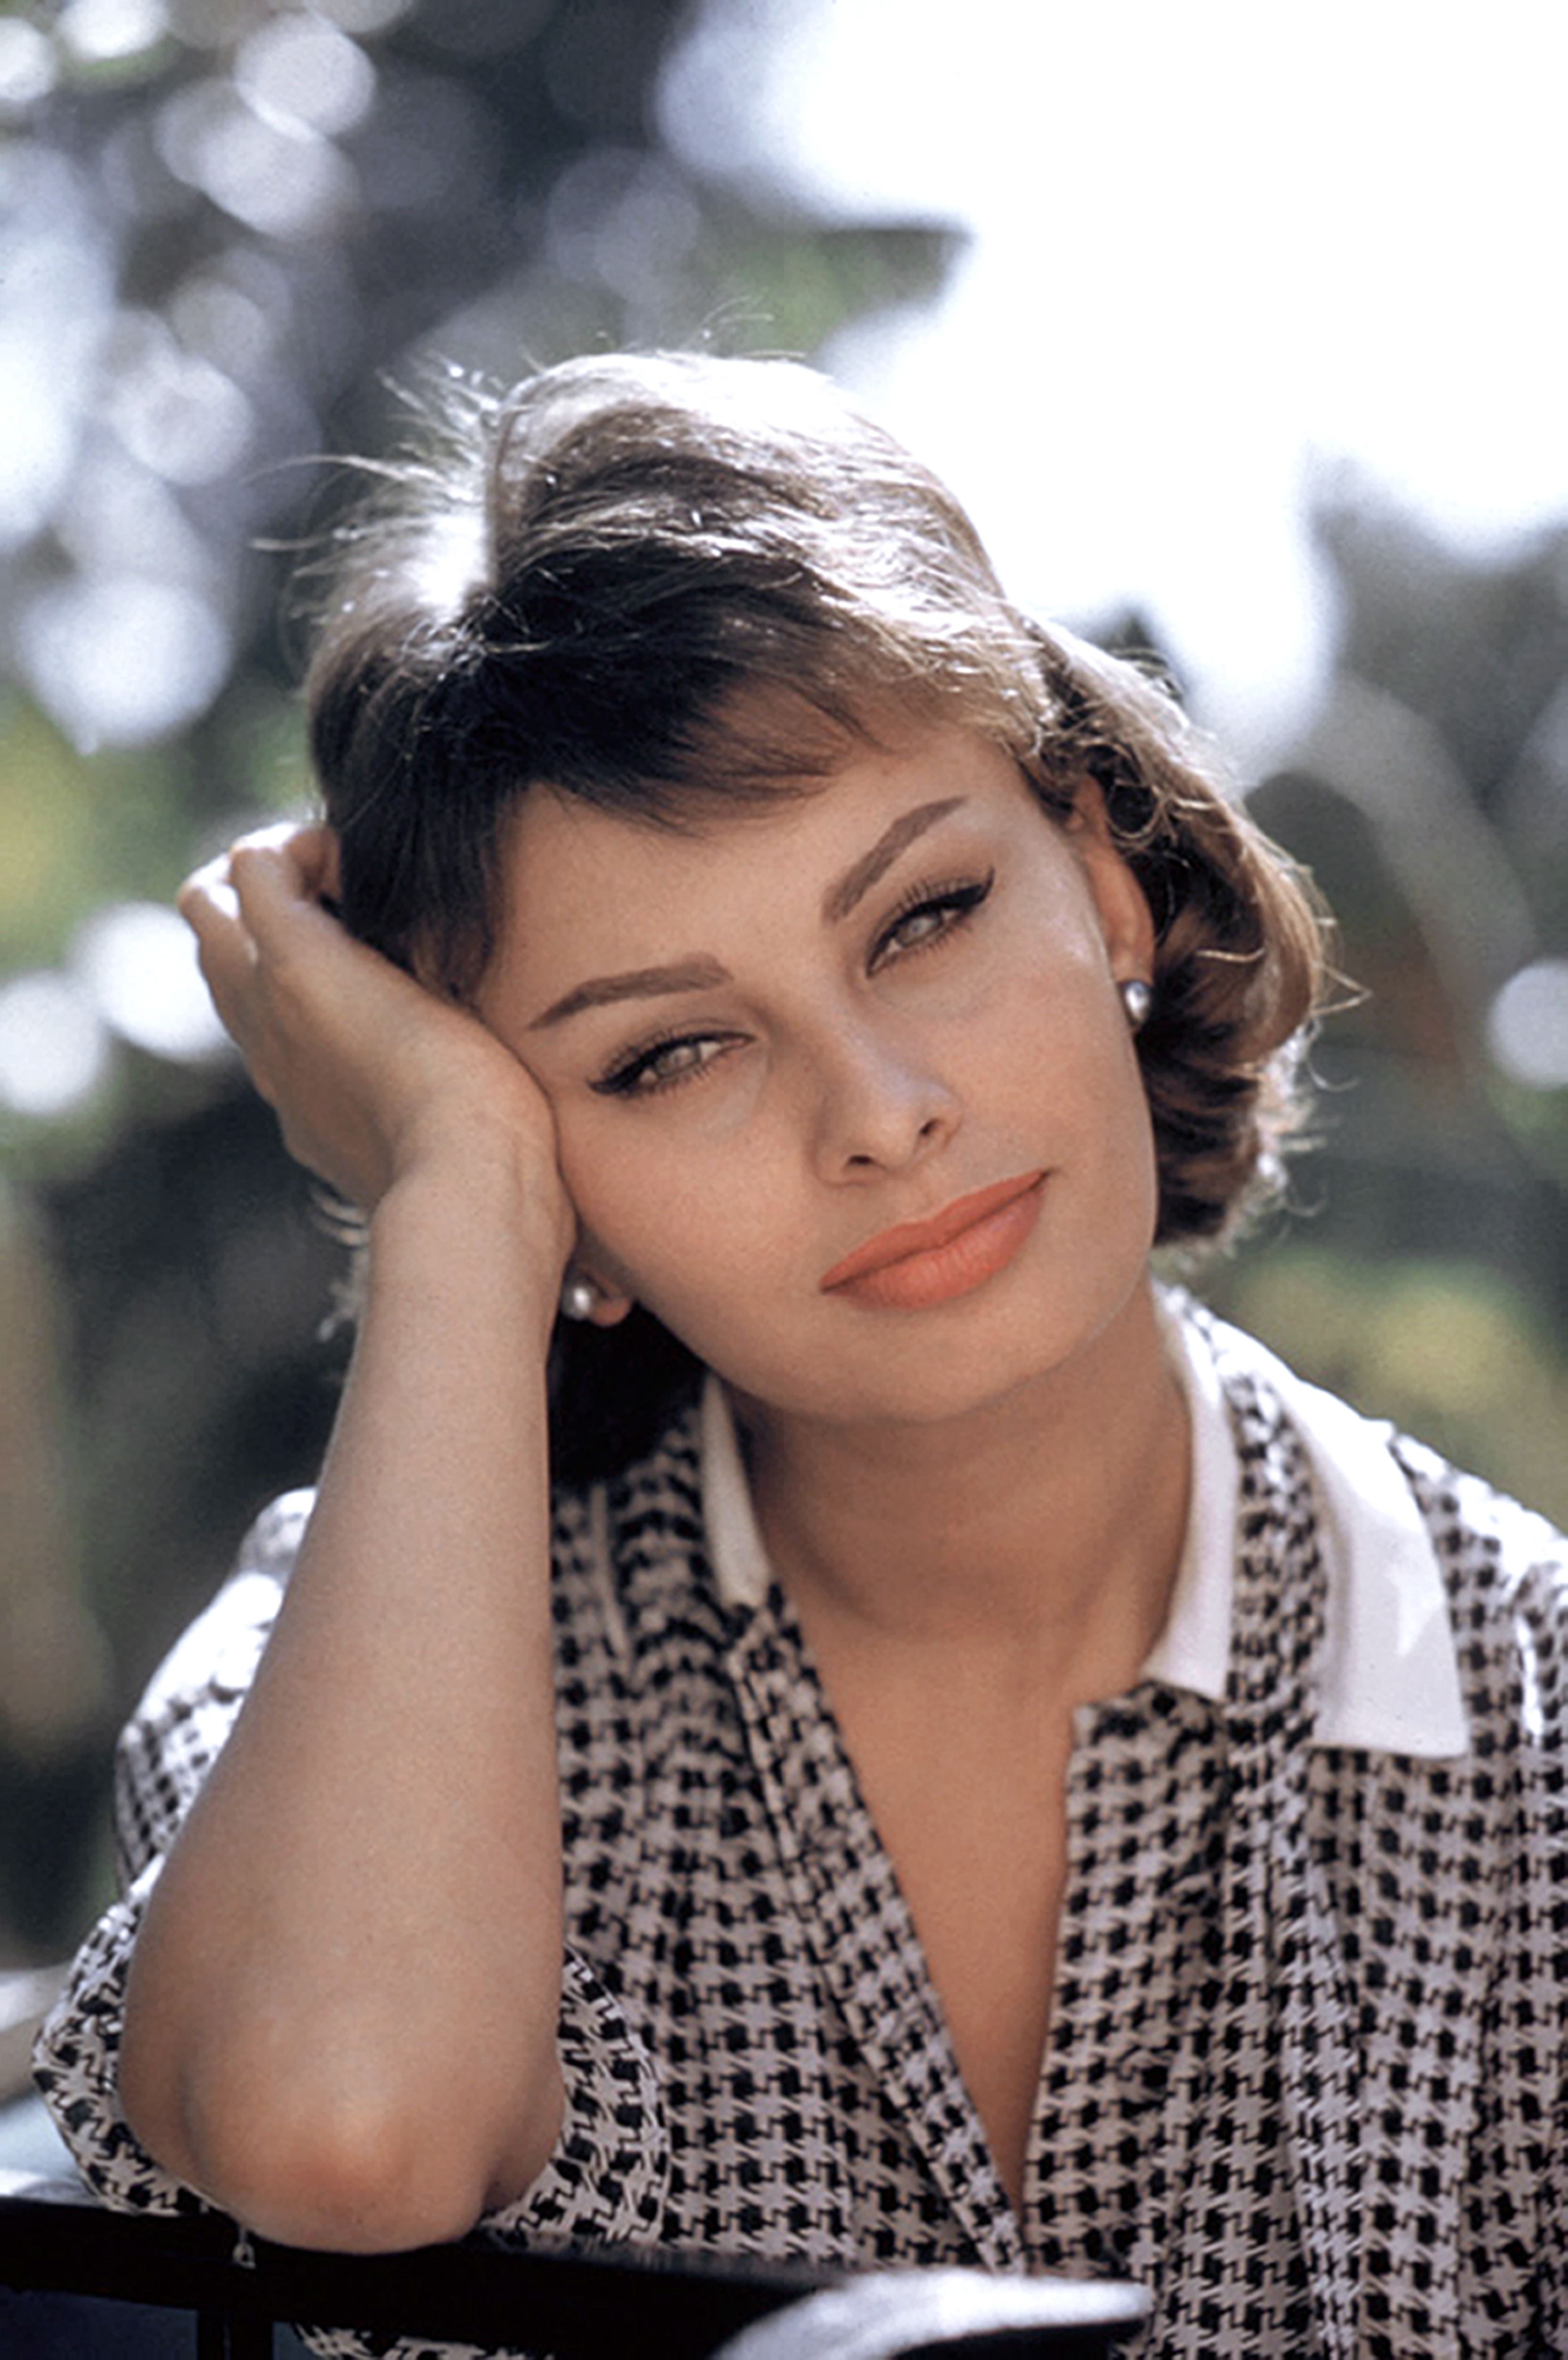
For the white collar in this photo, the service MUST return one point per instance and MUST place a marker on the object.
(1390, 1680)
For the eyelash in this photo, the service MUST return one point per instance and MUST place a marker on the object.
(637, 1075)
(955, 903)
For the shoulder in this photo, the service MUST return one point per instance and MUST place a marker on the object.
(1438, 1586)
(1506, 1569)
(1479, 1535)
(191, 1702)
(219, 1652)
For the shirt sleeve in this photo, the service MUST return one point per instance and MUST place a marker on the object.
(606, 2179)
(162, 1762)
(1539, 2011)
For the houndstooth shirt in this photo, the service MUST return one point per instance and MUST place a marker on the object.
(1307, 2071)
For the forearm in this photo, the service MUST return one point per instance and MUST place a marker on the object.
(342, 2009)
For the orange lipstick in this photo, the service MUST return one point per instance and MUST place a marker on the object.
(918, 1263)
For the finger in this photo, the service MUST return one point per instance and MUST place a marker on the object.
(279, 877)
(310, 849)
(227, 959)
(226, 952)
(207, 899)
(232, 905)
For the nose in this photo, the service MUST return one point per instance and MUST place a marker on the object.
(881, 1103)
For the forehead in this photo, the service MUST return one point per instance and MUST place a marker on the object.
(579, 880)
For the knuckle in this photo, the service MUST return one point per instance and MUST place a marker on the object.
(246, 858)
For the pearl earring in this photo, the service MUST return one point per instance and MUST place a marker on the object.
(578, 1299)
(1137, 999)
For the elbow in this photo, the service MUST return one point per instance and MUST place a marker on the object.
(358, 2185)
(353, 2172)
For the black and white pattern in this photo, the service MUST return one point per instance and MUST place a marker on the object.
(1308, 2069)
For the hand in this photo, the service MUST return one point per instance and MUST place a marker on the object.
(368, 1072)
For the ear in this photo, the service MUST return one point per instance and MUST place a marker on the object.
(1126, 921)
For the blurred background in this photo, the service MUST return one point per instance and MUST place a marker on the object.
(1235, 326)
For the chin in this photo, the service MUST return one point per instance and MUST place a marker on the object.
(931, 1368)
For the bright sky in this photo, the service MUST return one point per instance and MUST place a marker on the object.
(1218, 247)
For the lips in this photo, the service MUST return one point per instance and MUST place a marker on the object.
(921, 1263)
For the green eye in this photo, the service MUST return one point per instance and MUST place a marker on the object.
(664, 1065)
(934, 918)
(928, 916)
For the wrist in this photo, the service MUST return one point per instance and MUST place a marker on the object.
(481, 1225)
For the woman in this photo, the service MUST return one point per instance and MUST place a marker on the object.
(968, 1760)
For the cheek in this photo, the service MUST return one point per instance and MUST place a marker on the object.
(1071, 1051)
(1053, 1012)
(657, 1217)
(608, 1182)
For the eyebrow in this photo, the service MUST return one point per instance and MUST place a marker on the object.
(705, 974)
(637, 983)
(857, 882)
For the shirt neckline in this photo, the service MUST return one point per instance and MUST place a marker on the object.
(1389, 1679)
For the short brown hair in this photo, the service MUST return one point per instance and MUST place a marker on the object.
(653, 581)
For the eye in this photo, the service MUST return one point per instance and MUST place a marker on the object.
(928, 915)
(664, 1065)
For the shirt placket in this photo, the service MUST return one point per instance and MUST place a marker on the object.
(861, 1931)
(1125, 2068)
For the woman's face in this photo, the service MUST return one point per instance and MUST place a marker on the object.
(773, 1038)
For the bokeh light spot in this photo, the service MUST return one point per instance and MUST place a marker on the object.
(103, 32)
(174, 411)
(279, 178)
(1526, 1029)
(54, 1052)
(39, 442)
(136, 961)
(621, 217)
(27, 66)
(123, 660)
(299, 70)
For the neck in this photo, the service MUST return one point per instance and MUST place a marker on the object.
(1048, 1524)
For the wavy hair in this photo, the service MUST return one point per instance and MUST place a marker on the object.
(659, 582)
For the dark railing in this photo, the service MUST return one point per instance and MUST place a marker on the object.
(574, 2303)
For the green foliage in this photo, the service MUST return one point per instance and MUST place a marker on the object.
(1453, 1352)
(80, 830)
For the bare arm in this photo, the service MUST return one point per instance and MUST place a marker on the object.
(341, 2015)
